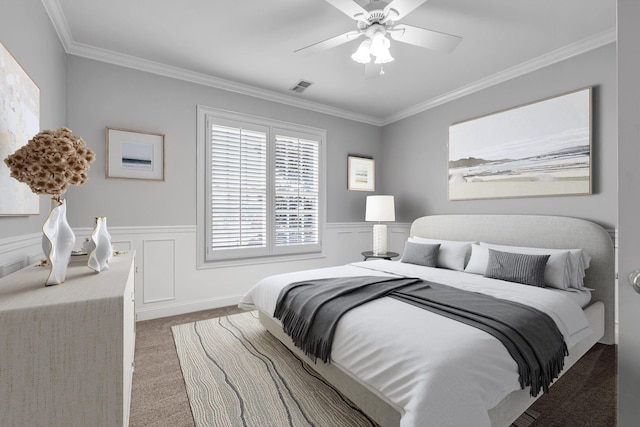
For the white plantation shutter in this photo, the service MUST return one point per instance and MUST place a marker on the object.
(238, 188)
(296, 191)
(263, 188)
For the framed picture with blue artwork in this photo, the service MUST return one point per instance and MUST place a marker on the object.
(133, 154)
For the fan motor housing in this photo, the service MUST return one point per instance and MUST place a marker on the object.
(377, 14)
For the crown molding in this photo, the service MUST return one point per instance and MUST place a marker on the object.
(59, 21)
(128, 61)
(71, 47)
(558, 55)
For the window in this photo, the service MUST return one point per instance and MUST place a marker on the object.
(260, 187)
(296, 191)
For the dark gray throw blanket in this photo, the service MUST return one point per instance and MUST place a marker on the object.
(310, 310)
(531, 336)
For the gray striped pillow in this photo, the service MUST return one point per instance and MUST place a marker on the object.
(520, 268)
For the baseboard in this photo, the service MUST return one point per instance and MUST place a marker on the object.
(175, 309)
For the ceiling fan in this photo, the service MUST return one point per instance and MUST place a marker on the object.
(375, 21)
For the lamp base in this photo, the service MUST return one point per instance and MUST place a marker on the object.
(379, 239)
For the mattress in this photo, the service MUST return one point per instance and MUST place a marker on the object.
(435, 371)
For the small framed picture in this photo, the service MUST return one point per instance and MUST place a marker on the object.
(133, 154)
(361, 174)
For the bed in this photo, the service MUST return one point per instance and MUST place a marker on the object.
(392, 377)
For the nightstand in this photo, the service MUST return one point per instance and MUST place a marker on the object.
(388, 255)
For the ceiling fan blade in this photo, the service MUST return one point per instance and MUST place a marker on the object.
(329, 43)
(350, 8)
(398, 9)
(372, 70)
(428, 39)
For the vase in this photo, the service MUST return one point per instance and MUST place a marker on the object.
(99, 246)
(57, 241)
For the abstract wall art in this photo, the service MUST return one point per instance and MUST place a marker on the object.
(539, 149)
(19, 121)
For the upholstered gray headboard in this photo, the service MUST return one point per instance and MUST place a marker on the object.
(537, 231)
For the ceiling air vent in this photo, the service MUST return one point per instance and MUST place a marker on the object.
(301, 86)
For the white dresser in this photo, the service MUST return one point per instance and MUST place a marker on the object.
(66, 351)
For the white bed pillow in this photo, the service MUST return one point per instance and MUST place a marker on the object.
(478, 261)
(452, 255)
(557, 273)
(579, 261)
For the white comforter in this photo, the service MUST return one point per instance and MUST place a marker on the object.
(435, 370)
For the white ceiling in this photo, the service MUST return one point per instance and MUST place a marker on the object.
(247, 46)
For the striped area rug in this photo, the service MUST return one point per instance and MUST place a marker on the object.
(237, 374)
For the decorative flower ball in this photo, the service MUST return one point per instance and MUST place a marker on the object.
(51, 161)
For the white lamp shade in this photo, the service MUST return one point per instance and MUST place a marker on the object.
(378, 43)
(383, 57)
(380, 208)
(362, 54)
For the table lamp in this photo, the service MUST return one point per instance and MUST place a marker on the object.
(380, 208)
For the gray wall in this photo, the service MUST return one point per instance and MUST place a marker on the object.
(26, 31)
(415, 149)
(102, 95)
(95, 95)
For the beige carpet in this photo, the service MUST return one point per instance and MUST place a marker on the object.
(237, 374)
(158, 396)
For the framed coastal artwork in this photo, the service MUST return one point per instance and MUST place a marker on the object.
(539, 149)
(361, 174)
(133, 154)
(19, 122)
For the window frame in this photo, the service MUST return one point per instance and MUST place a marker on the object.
(238, 256)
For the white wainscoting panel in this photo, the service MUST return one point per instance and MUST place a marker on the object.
(167, 281)
(122, 245)
(159, 280)
(19, 251)
(13, 266)
(397, 238)
(344, 243)
(199, 289)
(364, 240)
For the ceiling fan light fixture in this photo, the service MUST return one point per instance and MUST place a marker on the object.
(362, 55)
(378, 43)
(374, 20)
(384, 57)
(380, 48)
